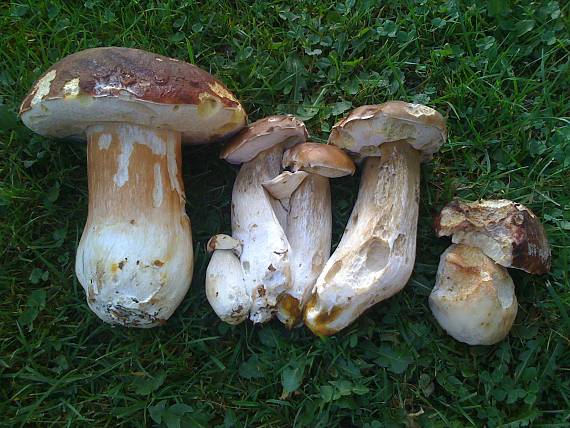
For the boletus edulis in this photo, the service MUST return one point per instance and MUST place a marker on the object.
(376, 254)
(473, 298)
(134, 108)
(257, 217)
(307, 202)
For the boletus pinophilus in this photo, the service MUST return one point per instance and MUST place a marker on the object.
(376, 254)
(473, 298)
(258, 221)
(304, 192)
(134, 108)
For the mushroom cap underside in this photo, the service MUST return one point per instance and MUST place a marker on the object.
(366, 128)
(262, 135)
(323, 159)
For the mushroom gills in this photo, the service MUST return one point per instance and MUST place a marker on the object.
(376, 254)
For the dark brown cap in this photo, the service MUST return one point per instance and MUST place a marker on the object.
(366, 128)
(131, 86)
(262, 135)
(323, 159)
(507, 232)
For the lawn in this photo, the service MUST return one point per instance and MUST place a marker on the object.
(499, 73)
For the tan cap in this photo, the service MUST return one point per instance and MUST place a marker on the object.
(262, 135)
(368, 127)
(507, 232)
(326, 160)
(133, 86)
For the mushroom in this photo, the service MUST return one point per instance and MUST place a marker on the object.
(257, 217)
(226, 294)
(134, 108)
(473, 298)
(505, 231)
(376, 254)
(309, 219)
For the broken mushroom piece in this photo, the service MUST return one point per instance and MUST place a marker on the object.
(134, 108)
(376, 254)
(309, 219)
(255, 219)
(473, 298)
(507, 232)
(225, 284)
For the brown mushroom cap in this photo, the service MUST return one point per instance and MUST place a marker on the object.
(262, 135)
(507, 232)
(326, 160)
(133, 86)
(366, 128)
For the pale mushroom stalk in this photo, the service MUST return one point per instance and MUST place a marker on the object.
(473, 298)
(265, 256)
(225, 282)
(377, 251)
(309, 226)
(375, 257)
(135, 255)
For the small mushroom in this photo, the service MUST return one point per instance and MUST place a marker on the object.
(505, 231)
(257, 217)
(473, 298)
(376, 254)
(134, 108)
(309, 219)
(226, 294)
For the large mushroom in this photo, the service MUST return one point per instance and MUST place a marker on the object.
(473, 298)
(309, 219)
(134, 108)
(257, 217)
(376, 254)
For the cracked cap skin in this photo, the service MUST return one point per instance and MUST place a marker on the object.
(115, 84)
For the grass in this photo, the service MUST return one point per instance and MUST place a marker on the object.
(498, 70)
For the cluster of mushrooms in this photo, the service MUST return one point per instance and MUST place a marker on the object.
(135, 259)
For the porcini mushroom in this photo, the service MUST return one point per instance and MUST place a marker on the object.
(309, 219)
(134, 108)
(265, 256)
(376, 254)
(507, 232)
(473, 298)
(226, 293)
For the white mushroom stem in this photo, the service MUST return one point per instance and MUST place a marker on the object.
(134, 259)
(473, 298)
(225, 283)
(309, 229)
(375, 257)
(265, 256)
